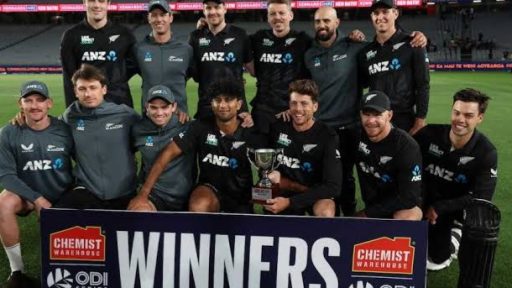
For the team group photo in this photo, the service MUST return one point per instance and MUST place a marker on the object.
(316, 121)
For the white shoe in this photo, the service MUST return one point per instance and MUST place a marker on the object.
(431, 266)
(456, 233)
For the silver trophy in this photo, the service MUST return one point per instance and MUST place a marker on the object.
(265, 160)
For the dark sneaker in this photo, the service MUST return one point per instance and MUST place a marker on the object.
(17, 279)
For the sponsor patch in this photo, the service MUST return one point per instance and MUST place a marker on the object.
(78, 243)
(384, 255)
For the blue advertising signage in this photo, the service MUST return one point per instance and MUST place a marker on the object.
(100, 249)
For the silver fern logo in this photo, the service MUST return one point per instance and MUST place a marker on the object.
(59, 278)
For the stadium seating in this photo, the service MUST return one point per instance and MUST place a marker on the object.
(39, 44)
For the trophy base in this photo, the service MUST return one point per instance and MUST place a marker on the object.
(260, 195)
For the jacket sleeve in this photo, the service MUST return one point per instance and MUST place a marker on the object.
(70, 64)
(8, 172)
(483, 187)
(408, 179)
(422, 81)
(330, 186)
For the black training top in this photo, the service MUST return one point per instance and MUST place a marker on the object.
(453, 177)
(310, 158)
(398, 70)
(389, 173)
(108, 48)
(222, 158)
(277, 62)
(218, 56)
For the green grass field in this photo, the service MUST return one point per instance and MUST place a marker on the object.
(443, 85)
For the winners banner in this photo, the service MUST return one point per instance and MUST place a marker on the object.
(100, 249)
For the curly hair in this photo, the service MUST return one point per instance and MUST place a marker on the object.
(227, 87)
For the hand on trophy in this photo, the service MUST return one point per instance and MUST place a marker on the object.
(275, 177)
(277, 205)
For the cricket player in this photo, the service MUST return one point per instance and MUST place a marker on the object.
(35, 170)
(460, 164)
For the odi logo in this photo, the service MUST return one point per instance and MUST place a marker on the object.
(62, 278)
(384, 255)
(78, 243)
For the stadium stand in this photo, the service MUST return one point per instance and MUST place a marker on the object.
(39, 44)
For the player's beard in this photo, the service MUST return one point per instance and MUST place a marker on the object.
(324, 37)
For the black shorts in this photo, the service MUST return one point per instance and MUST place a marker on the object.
(164, 205)
(81, 198)
(228, 204)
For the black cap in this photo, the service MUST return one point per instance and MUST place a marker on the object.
(32, 87)
(162, 4)
(375, 100)
(162, 92)
(214, 1)
(383, 4)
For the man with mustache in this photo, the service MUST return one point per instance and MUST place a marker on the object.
(35, 170)
(103, 44)
(460, 165)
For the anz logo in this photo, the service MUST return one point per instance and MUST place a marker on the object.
(285, 58)
(365, 168)
(384, 66)
(41, 165)
(440, 172)
(446, 174)
(290, 162)
(221, 161)
(99, 56)
(218, 57)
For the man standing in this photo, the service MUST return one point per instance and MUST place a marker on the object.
(225, 176)
(391, 65)
(332, 61)
(308, 176)
(103, 44)
(460, 164)
(150, 136)
(388, 164)
(220, 50)
(35, 169)
(278, 60)
(105, 168)
(162, 60)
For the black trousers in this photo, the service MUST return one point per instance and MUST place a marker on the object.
(440, 237)
(348, 142)
(81, 198)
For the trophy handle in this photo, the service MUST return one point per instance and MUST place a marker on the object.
(249, 152)
(276, 162)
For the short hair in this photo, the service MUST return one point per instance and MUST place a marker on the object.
(473, 95)
(279, 2)
(305, 87)
(89, 72)
(228, 87)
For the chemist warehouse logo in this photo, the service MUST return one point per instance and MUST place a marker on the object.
(384, 255)
(79, 244)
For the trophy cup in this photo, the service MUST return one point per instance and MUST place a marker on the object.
(266, 161)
